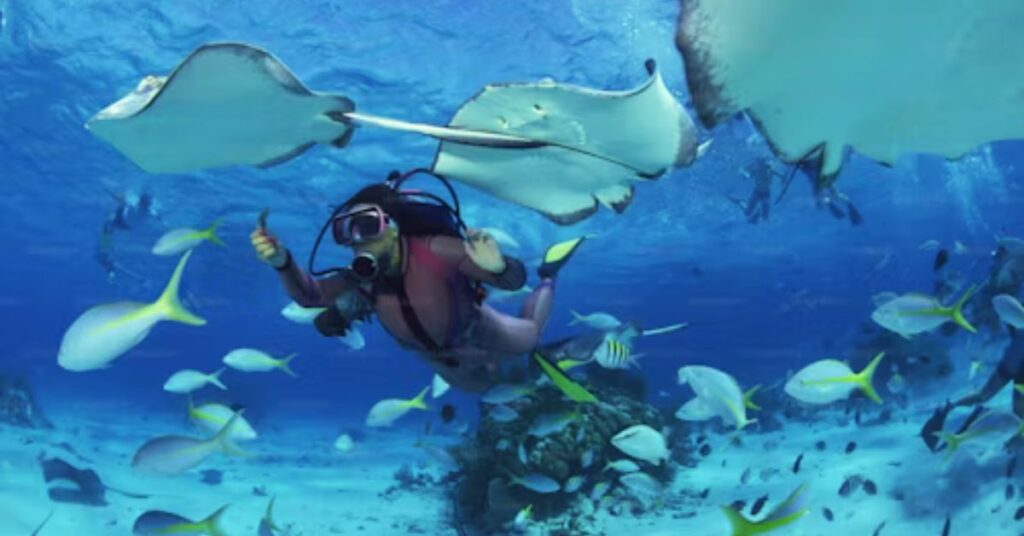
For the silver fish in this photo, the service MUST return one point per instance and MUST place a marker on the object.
(504, 393)
(587, 458)
(552, 423)
(574, 483)
(502, 413)
(536, 482)
(171, 455)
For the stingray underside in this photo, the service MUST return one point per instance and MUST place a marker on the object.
(883, 78)
(225, 104)
(588, 146)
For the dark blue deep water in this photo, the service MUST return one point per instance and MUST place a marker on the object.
(761, 300)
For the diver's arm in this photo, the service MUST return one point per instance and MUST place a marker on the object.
(307, 291)
(302, 288)
(512, 277)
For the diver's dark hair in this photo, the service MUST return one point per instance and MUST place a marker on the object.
(380, 194)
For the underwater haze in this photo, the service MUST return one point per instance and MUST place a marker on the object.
(760, 300)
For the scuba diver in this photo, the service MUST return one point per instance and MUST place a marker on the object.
(421, 271)
(824, 191)
(758, 205)
(1010, 369)
(130, 211)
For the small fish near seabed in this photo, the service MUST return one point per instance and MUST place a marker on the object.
(1009, 310)
(344, 444)
(829, 380)
(211, 417)
(503, 393)
(385, 412)
(643, 487)
(552, 423)
(536, 482)
(911, 314)
(172, 455)
(156, 522)
(612, 353)
(718, 394)
(642, 442)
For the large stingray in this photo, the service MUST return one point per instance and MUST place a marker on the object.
(881, 77)
(558, 149)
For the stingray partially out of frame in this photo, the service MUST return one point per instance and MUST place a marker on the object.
(880, 77)
(561, 150)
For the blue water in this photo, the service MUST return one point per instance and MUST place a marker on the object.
(760, 299)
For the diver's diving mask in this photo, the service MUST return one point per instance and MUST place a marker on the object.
(359, 226)
(414, 213)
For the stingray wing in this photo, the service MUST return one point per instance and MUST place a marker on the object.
(884, 78)
(588, 146)
(225, 104)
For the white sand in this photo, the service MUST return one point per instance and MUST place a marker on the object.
(323, 492)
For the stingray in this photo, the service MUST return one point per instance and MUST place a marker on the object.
(558, 149)
(879, 77)
(69, 484)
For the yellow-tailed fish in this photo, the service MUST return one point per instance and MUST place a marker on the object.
(389, 410)
(182, 240)
(105, 332)
(829, 380)
(252, 360)
(172, 455)
(155, 522)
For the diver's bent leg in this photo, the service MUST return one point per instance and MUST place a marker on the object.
(537, 306)
(506, 335)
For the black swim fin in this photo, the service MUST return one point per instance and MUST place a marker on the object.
(934, 424)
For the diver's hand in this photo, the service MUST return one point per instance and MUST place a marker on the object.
(484, 250)
(268, 248)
